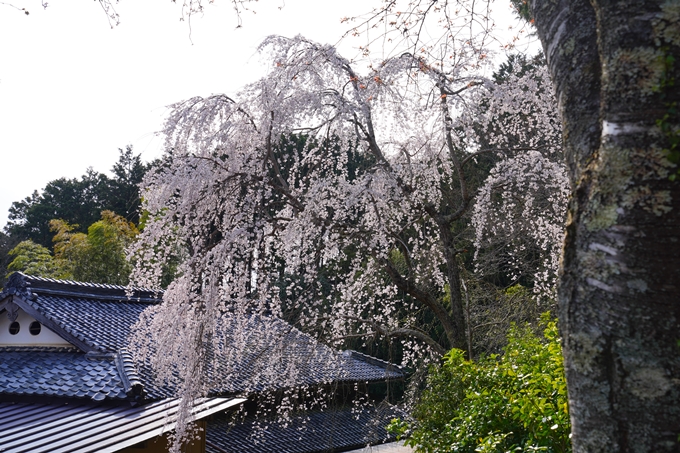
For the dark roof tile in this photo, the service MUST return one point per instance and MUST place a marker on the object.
(331, 430)
(61, 374)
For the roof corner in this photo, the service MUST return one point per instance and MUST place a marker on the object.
(18, 285)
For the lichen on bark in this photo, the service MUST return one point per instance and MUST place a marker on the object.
(618, 307)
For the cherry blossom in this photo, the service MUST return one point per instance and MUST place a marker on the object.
(328, 198)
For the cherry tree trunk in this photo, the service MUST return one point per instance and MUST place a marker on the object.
(614, 65)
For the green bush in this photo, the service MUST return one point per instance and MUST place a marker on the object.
(515, 402)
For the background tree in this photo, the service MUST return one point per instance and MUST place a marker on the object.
(99, 255)
(34, 259)
(7, 243)
(96, 257)
(79, 201)
(123, 197)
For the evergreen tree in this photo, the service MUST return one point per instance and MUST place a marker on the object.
(79, 201)
(123, 196)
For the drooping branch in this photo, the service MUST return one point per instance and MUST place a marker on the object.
(307, 225)
(504, 151)
(426, 299)
(398, 332)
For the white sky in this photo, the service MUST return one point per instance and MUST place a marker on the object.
(73, 90)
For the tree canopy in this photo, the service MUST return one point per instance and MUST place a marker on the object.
(332, 199)
(79, 201)
(97, 257)
(34, 259)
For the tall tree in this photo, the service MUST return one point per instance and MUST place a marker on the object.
(614, 70)
(96, 257)
(7, 243)
(123, 192)
(244, 205)
(79, 201)
(99, 255)
(34, 259)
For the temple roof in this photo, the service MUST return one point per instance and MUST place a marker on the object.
(97, 320)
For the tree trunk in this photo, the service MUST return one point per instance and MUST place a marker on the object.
(613, 70)
(457, 338)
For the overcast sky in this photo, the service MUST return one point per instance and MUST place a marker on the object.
(73, 90)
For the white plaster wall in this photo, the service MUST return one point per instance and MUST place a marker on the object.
(46, 337)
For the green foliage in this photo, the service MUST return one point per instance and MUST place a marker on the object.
(517, 402)
(123, 197)
(516, 289)
(79, 201)
(526, 63)
(98, 256)
(34, 259)
(398, 260)
(522, 10)
(7, 243)
(668, 123)
(493, 310)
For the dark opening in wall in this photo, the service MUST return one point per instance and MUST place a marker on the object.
(35, 328)
(14, 328)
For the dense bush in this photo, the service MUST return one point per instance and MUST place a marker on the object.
(508, 403)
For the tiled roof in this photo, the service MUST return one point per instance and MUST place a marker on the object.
(98, 315)
(362, 367)
(23, 284)
(98, 319)
(64, 373)
(50, 372)
(331, 430)
(132, 381)
(313, 362)
(102, 324)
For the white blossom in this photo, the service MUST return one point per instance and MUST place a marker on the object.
(326, 198)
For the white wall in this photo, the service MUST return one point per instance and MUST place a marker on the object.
(46, 337)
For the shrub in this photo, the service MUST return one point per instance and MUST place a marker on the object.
(508, 403)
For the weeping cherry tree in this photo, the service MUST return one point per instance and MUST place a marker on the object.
(331, 199)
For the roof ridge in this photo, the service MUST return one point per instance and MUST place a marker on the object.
(373, 360)
(50, 349)
(22, 284)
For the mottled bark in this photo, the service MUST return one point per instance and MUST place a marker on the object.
(620, 283)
